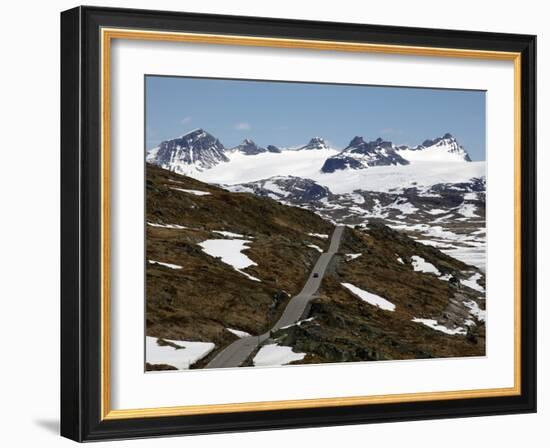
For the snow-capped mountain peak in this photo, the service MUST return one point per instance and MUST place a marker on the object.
(194, 151)
(315, 143)
(360, 154)
(356, 141)
(249, 148)
(439, 149)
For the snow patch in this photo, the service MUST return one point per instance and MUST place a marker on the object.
(300, 322)
(421, 265)
(317, 248)
(442, 328)
(230, 252)
(404, 207)
(319, 235)
(352, 256)
(167, 226)
(436, 211)
(238, 333)
(472, 282)
(185, 355)
(276, 355)
(468, 210)
(475, 310)
(357, 198)
(194, 192)
(370, 298)
(228, 234)
(166, 265)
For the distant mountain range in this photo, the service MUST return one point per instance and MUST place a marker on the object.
(199, 150)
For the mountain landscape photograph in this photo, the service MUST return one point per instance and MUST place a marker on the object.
(293, 223)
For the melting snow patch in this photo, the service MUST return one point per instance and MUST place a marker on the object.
(472, 282)
(370, 298)
(230, 252)
(167, 226)
(166, 265)
(475, 310)
(318, 235)
(467, 210)
(357, 198)
(251, 277)
(276, 355)
(186, 354)
(404, 207)
(228, 234)
(238, 333)
(437, 244)
(300, 322)
(435, 211)
(272, 186)
(421, 265)
(317, 248)
(195, 192)
(400, 260)
(442, 328)
(352, 256)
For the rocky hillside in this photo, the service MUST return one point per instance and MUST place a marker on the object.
(388, 297)
(220, 261)
(222, 265)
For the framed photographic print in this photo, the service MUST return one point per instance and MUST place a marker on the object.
(275, 224)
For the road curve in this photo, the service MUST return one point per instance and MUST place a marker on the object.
(237, 352)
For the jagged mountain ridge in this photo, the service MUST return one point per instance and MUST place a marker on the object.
(198, 151)
(444, 148)
(360, 154)
(250, 148)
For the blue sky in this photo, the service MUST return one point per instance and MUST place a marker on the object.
(289, 114)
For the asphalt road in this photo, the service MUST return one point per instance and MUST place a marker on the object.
(237, 352)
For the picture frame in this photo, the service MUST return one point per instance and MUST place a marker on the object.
(87, 35)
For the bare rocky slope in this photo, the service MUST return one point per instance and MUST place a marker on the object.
(193, 296)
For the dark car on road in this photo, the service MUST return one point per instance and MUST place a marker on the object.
(315, 275)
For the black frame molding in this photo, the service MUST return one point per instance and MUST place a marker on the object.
(81, 223)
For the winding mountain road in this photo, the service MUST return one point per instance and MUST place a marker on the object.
(237, 352)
